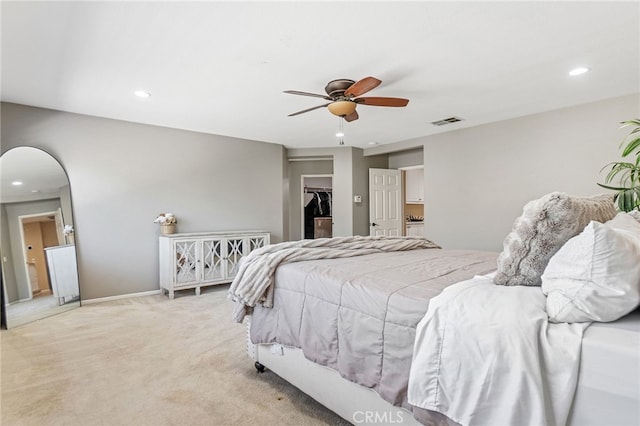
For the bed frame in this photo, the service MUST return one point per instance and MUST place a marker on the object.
(608, 393)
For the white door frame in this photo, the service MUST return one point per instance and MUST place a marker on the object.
(302, 177)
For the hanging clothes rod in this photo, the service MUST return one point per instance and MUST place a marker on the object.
(316, 189)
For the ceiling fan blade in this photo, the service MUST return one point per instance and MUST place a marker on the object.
(351, 117)
(381, 101)
(315, 95)
(308, 109)
(362, 86)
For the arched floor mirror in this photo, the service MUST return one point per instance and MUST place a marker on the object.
(37, 252)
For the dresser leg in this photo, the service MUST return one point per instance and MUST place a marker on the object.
(197, 291)
(170, 294)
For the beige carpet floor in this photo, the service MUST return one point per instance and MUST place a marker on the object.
(144, 361)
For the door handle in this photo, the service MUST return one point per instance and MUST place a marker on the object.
(374, 224)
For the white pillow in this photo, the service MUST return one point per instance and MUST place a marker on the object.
(595, 276)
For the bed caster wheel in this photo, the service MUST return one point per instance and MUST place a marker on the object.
(259, 367)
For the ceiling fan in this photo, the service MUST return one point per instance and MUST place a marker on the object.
(343, 94)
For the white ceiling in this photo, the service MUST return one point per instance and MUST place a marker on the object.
(221, 67)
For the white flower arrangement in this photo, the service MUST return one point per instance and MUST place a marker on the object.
(68, 230)
(166, 219)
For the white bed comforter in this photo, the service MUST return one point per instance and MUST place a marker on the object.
(486, 354)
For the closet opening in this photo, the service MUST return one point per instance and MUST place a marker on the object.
(317, 206)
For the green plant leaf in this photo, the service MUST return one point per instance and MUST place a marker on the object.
(622, 202)
(632, 122)
(628, 199)
(632, 144)
(613, 188)
(627, 174)
(622, 169)
(631, 147)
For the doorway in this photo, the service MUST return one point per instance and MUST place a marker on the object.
(413, 178)
(317, 206)
(38, 232)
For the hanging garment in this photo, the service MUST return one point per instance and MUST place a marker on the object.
(311, 210)
(319, 201)
(325, 204)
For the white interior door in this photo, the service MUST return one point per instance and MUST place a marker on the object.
(385, 202)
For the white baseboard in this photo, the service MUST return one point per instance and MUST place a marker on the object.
(122, 296)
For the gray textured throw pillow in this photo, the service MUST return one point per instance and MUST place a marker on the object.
(545, 225)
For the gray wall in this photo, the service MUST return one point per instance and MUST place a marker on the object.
(123, 174)
(351, 177)
(343, 192)
(477, 180)
(361, 166)
(412, 157)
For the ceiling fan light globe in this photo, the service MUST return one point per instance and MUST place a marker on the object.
(342, 108)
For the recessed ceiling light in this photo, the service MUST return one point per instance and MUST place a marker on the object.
(579, 70)
(142, 94)
(373, 143)
(16, 183)
(339, 134)
(35, 191)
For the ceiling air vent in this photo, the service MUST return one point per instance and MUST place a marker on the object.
(446, 121)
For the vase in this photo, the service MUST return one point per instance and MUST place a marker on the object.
(167, 228)
(71, 239)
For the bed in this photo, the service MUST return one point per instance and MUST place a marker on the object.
(346, 331)
(604, 396)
